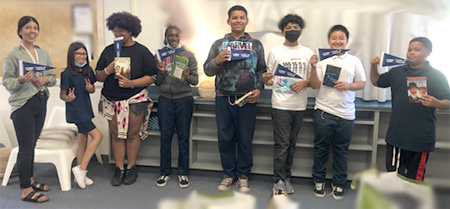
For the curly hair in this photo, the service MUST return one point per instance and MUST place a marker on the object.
(126, 21)
(291, 18)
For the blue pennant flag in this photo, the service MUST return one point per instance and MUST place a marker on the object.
(163, 53)
(390, 60)
(283, 71)
(327, 53)
(239, 54)
(118, 45)
(25, 67)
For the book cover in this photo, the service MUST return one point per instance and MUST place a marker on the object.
(417, 87)
(285, 80)
(122, 65)
(25, 67)
(118, 45)
(243, 99)
(178, 66)
(331, 75)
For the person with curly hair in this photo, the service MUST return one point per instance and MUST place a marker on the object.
(124, 101)
(289, 97)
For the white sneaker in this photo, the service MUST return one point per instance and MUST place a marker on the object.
(226, 183)
(80, 176)
(88, 181)
(243, 185)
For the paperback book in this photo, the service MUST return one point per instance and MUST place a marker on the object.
(122, 65)
(25, 67)
(417, 88)
(243, 99)
(179, 64)
(331, 75)
(285, 80)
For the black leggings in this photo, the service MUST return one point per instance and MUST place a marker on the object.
(28, 122)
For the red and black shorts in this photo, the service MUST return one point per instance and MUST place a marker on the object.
(407, 163)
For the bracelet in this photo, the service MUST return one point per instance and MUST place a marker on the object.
(106, 72)
(131, 87)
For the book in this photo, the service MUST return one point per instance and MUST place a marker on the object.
(243, 99)
(417, 87)
(178, 66)
(25, 67)
(118, 45)
(122, 65)
(331, 75)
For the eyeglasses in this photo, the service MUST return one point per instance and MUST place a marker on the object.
(80, 54)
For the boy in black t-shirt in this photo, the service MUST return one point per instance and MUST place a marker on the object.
(412, 127)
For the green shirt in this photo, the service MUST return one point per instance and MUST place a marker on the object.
(21, 93)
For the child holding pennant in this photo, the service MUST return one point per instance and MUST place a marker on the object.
(175, 106)
(235, 78)
(288, 70)
(334, 111)
(411, 134)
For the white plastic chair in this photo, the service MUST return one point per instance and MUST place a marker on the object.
(61, 157)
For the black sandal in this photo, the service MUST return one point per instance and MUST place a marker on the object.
(29, 197)
(40, 188)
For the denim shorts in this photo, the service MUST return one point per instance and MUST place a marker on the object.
(139, 108)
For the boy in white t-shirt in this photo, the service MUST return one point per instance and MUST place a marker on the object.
(289, 96)
(334, 112)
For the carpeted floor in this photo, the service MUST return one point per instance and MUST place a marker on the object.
(144, 193)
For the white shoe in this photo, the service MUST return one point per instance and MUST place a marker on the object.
(243, 185)
(80, 176)
(88, 181)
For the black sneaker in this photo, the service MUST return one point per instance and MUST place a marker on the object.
(338, 192)
(131, 176)
(118, 177)
(319, 190)
(183, 181)
(162, 181)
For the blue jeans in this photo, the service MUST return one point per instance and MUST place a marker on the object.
(335, 132)
(175, 114)
(235, 126)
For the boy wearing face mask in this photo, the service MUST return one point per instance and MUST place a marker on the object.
(289, 97)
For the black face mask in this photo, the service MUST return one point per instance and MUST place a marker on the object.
(292, 35)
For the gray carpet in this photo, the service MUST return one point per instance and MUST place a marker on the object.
(144, 193)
